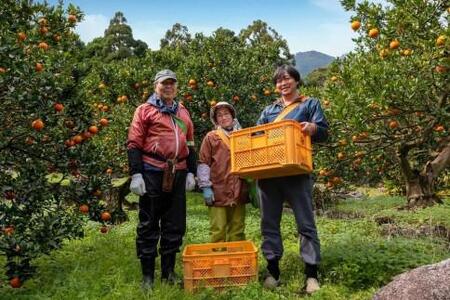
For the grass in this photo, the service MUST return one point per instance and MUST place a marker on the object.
(357, 258)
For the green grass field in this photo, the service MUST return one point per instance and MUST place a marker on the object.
(358, 256)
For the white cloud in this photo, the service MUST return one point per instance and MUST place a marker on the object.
(92, 26)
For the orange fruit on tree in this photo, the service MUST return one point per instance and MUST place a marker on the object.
(440, 69)
(39, 67)
(58, 107)
(105, 216)
(322, 172)
(104, 122)
(192, 82)
(340, 155)
(77, 139)
(212, 103)
(393, 124)
(15, 282)
(253, 97)
(373, 33)
(440, 41)
(235, 98)
(43, 46)
(356, 25)
(37, 124)
(439, 128)
(9, 230)
(56, 37)
(267, 92)
(86, 135)
(2, 70)
(210, 83)
(84, 208)
(72, 18)
(333, 78)
(101, 85)
(93, 129)
(21, 36)
(394, 44)
(109, 171)
(69, 143)
(43, 30)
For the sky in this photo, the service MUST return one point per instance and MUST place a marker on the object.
(320, 25)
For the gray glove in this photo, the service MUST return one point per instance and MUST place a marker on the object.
(190, 182)
(137, 184)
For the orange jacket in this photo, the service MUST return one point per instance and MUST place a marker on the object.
(228, 189)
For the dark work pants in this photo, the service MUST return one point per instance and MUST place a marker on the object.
(297, 190)
(162, 216)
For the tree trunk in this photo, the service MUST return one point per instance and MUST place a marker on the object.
(420, 190)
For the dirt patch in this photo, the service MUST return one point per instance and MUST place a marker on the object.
(335, 214)
(392, 229)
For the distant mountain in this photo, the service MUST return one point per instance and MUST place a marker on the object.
(305, 62)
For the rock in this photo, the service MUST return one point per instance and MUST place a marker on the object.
(430, 282)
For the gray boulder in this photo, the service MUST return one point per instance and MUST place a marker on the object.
(430, 282)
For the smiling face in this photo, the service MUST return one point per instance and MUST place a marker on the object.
(166, 89)
(286, 84)
(223, 117)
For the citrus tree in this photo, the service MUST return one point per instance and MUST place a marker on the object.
(50, 182)
(388, 100)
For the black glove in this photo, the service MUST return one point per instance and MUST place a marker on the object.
(135, 161)
(192, 160)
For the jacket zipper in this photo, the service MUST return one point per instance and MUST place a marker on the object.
(177, 142)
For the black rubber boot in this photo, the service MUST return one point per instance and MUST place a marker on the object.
(167, 268)
(148, 273)
(274, 268)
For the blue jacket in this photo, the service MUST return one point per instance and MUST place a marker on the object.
(308, 111)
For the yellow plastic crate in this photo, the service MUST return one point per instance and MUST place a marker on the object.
(271, 150)
(219, 265)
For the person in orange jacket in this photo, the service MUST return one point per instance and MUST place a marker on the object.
(224, 194)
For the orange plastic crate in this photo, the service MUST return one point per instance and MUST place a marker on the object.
(219, 265)
(271, 150)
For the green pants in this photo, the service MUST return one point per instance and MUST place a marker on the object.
(227, 224)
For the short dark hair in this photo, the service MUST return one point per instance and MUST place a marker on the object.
(281, 70)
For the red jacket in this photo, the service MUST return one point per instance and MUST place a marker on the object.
(158, 136)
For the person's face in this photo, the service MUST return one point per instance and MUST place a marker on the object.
(224, 117)
(286, 85)
(166, 89)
